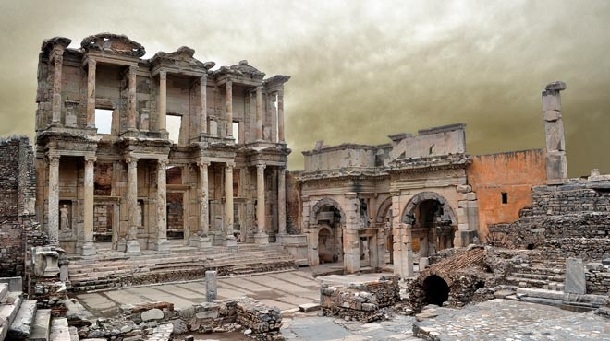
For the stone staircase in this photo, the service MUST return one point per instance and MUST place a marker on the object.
(21, 320)
(110, 269)
(548, 274)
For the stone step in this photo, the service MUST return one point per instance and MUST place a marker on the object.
(8, 311)
(20, 329)
(554, 278)
(3, 291)
(60, 330)
(40, 328)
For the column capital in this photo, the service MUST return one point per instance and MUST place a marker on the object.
(203, 164)
(204, 79)
(53, 159)
(90, 158)
(131, 159)
(132, 70)
(163, 74)
(58, 56)
(91, 63)
(229, 83)
(261, 166)
(230, 165)
(163, 162)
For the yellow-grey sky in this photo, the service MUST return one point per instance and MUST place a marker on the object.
(362, 70)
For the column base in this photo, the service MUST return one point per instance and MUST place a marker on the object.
(261, 238)
(201, 242)
(160, 246)
(280, 238)
(88, 249)
(133, 247)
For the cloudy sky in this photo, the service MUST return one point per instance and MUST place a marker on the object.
(362, 70)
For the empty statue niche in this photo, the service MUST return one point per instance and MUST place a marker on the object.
(436, 290)
(103, 219)
(175, 215)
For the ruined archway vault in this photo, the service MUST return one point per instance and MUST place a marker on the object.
(423, 196)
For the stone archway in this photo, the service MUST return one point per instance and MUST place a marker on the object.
(433, 223)
(319, 207)
(326, 222)
(384, 219)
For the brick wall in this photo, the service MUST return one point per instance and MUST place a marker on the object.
(17, 193)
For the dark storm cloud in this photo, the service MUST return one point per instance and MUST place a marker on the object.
(363, 69)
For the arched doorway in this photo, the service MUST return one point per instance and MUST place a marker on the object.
(385, 220)
(432, 221)
(329, 219)
(436, 290)
(327, 252)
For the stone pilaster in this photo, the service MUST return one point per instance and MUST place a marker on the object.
(281, 202)
(131, 100)
(91, 94)
(162, 100)
(259, 113)
(53, 201)
(58, 58)
(88, 246)
(556, 160)
(133, 245)
(161, 244)
(280, 115)
(229, 105)
(230, 239)
(203, 115)
(261, 236)
(202, 240)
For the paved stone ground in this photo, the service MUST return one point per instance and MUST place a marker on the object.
(492, 320)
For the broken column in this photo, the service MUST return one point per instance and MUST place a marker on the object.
(403, 260)
(556, 161)
(210, 286)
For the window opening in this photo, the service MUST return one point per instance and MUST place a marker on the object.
(236, 132)
(103, 121)
(173, 123)
(504, 198)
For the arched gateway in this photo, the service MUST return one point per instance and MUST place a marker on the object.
(326, 233)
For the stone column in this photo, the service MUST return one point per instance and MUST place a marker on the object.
(88, 246)
(203, 116)
(261, 236)
(280, 115)
(131, 100)
(202, 240)
(211, 286)
(229, 104)
(403, 259)
(133, 245)
(259, 113)
(58, 56)
(53, 201)
(161, 244)
(273, 113)
(91, 95)
(162, 100)
(230, 239)
(281, 202)
(556, 160)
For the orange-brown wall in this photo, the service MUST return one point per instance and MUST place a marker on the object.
(513, 173)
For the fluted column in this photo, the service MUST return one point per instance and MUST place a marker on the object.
(229, 104)
(58, 57)
(133, 246)
(91, 94)
(281, 201)
(259, 113)
(131, 100)
(203, 116)
(162, 100)
(88, 246)
(53, 202)
(280, 115)
(261, 236)
(161, 243)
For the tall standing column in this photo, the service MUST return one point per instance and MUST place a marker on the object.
(229, 203)
(58, 56)
(260, 237)
(53, 202)
(88, 246)
(281, 201)
(133, 245)
(203, 116)
(229, 104)
(556, 160)
(91, 95)
(162, 100)
(280, 115)
(131, 100)
(161, 243)
(202, 240)
(259, 113)
(273, 113)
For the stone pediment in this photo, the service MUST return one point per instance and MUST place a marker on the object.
(112, 43)
(242, 69)
(182, 58)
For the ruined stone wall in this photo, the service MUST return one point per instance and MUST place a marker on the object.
(293, 202)
(503, 182)
(18, 230)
